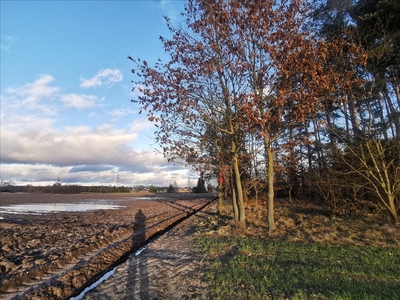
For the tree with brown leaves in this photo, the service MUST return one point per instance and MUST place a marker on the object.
(237, 68)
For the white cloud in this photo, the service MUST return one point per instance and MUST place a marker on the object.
(80, 101)
(35, 151)
(37, 95)
(33, 92)
(40, 97)
(77, 130)
(26, 124)
(103, 77)
(46, 174)
(141, 124)
(119, 113)
(7, 41)
(74, 145)
(38, 174)
(78, 155)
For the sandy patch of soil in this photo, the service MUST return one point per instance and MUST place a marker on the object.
(53, 255)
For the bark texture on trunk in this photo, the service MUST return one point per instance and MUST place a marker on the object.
(271, 220)
(239, 190)
(270, 158)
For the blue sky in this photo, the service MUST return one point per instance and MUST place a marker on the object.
(66, 91)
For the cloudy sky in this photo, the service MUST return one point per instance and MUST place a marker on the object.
(66, 91)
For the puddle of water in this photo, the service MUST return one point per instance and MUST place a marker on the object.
(54, 207)
(89, 288)
(138, 252)
(148, 198)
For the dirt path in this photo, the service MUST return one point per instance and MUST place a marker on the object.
(170, 268)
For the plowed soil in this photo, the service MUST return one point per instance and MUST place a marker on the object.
(55, 255)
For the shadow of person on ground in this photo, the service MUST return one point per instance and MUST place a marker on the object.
(137, 285)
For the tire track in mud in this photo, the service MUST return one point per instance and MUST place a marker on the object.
(72, 272)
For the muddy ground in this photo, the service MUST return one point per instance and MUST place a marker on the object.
(55, 255)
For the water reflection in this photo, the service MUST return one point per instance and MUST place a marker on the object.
(55, 207)
(148, 198)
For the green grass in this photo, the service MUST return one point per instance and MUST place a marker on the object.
(260, 269)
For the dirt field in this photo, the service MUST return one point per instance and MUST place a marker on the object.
(54, 255)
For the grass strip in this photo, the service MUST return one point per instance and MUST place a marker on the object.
(249, 268)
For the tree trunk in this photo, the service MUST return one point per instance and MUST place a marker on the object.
(256, 193)
(396, 85)
(234, 204)
(245, 194)
(394, 115)
(384, 124)
(290, 193)
(318, 143)
(239, 190)
(393, 208)
(309, 154)
(220, 198)
(355, 124)
(270, 158)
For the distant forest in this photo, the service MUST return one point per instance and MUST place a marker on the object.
(299, 99)
(58, 188)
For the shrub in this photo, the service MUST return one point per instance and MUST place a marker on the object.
(153, 189)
